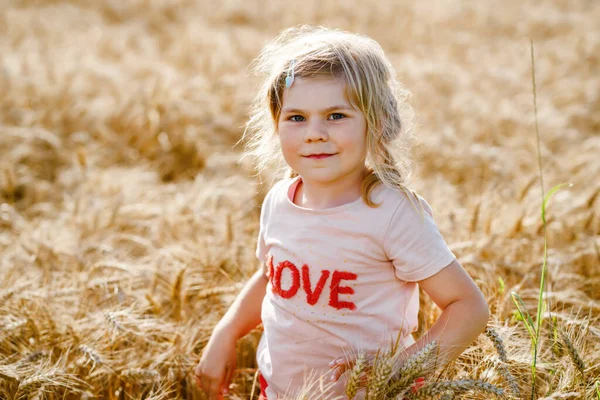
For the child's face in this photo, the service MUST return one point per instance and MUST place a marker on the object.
(322, 136)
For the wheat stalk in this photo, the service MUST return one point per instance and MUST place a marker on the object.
(526, 188)
(112, 319)
(380, 376)
(410, 370)
(40, 393)
(33, 357)
(512, 382)
(459, 386)
(355, 376)
(138, 374)
(205, 293)
(498, 343)
(153, 304)
(475, 218)
(449, 395)
(573, 353)
(176, 294)
(502, 361)
(91, 353)
(590, 201)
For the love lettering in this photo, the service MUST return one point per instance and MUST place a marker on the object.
(302, 278)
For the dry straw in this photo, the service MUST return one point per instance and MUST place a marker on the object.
(132, 136)
(438, 388)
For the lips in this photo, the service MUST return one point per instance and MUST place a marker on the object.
(319, 156)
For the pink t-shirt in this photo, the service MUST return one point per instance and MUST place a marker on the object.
(341, 279)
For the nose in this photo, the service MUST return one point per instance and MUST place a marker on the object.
(315, 131)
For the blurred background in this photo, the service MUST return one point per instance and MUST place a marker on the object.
(128, 219)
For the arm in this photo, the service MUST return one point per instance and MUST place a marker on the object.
(464, 317)
(244, 314)
(217, 364)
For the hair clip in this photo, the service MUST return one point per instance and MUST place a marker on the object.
(290, 76)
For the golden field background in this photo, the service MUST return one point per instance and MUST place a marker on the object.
(128, 222)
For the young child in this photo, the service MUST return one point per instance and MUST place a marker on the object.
(345, 244)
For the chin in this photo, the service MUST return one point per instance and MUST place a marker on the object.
(319, 178)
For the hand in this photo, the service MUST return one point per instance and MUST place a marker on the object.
(217, 365)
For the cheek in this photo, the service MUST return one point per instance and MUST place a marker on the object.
(356, 143)
(361, 141)
(287, 143)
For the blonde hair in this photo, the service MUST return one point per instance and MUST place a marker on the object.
(371, 87)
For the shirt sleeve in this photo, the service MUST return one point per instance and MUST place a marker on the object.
(261, 247)
(414, 243)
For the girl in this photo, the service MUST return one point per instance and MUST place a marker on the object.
(344, 243)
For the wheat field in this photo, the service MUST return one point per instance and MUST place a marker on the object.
(128, 220)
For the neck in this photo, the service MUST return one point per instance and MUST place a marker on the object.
(321, 195)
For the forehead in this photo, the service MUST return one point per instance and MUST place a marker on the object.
(316, 93)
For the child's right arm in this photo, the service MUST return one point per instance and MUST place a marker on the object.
(217, 364)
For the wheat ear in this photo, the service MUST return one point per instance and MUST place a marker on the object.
(381, 376)
(355, 376)
(498, 343)
(410, 370)
(573, 353)
(502, 362)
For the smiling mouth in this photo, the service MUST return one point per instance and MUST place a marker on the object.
(319, 156)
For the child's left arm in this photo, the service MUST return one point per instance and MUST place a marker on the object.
(464, 317)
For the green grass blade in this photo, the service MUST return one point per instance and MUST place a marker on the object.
(540, 314)
(524, 315)
(550, 194)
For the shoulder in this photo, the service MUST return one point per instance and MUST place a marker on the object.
(404, 207)
(278, 191)
(397, 199)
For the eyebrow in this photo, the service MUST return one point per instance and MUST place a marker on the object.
(296, 110)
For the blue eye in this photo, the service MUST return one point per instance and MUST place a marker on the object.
(294, 118)
(337, 116)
